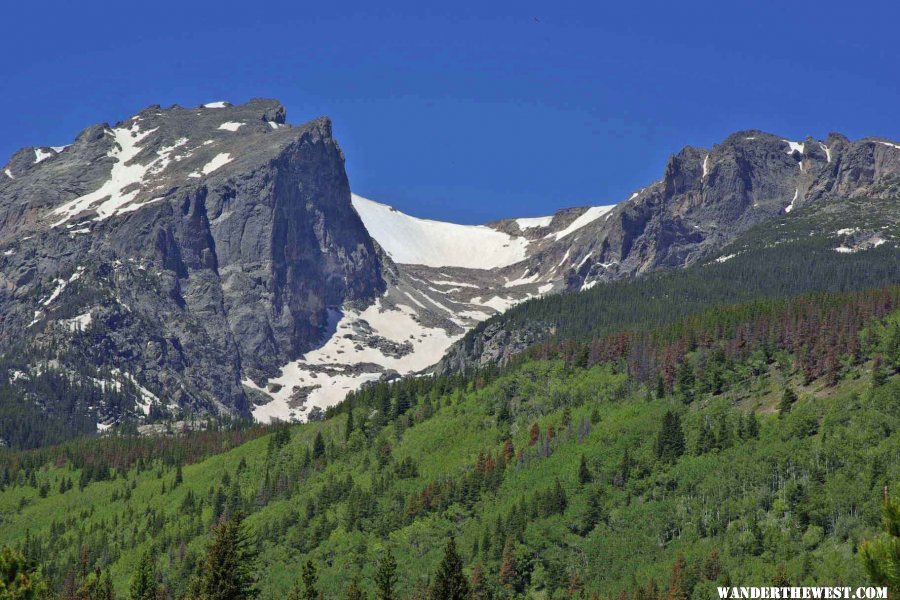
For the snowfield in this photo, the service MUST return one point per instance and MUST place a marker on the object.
(413, 241)
(344, 360)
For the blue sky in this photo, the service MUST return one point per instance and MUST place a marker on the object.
(468, 111)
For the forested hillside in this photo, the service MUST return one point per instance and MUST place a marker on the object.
(749, 444)
(827, 247)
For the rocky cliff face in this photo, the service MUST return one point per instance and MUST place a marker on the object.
(704, 200)
(214, 259)
(192, 247)
(707, 197)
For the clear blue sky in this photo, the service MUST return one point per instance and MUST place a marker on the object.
(468, 111)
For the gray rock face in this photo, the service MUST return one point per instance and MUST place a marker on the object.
(207, 243)
(706, 198)
(213, 257)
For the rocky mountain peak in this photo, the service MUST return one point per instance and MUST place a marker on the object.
(215, 257)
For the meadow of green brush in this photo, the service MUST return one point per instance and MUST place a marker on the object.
(802, 494)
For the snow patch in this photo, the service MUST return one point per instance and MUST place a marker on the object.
(706, 165)
(79, 323)
(587, 217)
(339, 355)
(8, 173)
(40, 155)
(798, 146)
(410, 240)
(497, 303)
(532, 222)
(217, 104)
(523, 280)
(125, 174)
(790, 206)
(230, 126)
(725, 258)
(827, 151)
(218, 161)
(456, 283)
(888, 144)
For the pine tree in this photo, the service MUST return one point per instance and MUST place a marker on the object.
(143, 583)
(712, 567)
(787, 401)
(508, 575)
(584, 473)
(678, 588)
(879, 373)
(105, 588)
(386, 577)
(479, 586)
(685, 381)
(308, 578)
(881, 556)
(318, 450)
(354, 592)
(594, 513)
(227, 571)
(752, 426)
(670, 440)
(449, 582)
(705, 439)
(18, 579)
(349, 428)
(781, 578)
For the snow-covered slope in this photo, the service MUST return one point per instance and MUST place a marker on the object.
(414, 241)
(443, 278)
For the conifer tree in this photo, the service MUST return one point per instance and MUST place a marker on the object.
(678, 585)
(227, 571)
(781, 578)
(752, 426)
(594, 512)
(705, 438)
(349, 428)
(787, 401)
(354, 592)
(508, 574)
(309, 578)
(318, 450)
(143, 583)
(670, 440)
(584, 473)
(881, 556)
(879, 374)
(449, 582)
(18, 579)
(479, 586)
(386, 577)
(685, 380)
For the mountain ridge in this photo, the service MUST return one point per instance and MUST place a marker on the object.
(216, 258)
